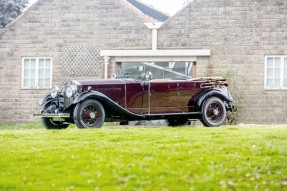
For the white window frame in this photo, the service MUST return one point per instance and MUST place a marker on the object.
(282, 57)
(37, 71)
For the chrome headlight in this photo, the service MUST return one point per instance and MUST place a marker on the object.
(55, 92)
(70, 91)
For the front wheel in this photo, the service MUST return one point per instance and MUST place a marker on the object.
(213, 112)
(89, 114)
(50, 124)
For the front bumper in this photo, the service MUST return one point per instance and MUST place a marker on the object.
(50, 115)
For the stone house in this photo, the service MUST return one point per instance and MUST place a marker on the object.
(54, 39)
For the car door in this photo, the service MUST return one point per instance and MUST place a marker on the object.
(186, 90)
(155, 96)
(134, 95)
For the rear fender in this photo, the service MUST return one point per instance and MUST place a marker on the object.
(225, 97)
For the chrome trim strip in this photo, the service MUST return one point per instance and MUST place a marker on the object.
(126, 95)
(187, 113)
(149, 96)
(48, 115)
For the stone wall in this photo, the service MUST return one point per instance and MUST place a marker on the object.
(48, 26)
(239, 34)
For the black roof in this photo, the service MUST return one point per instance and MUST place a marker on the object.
(149, 11)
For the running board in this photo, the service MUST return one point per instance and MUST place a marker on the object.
(165, 114)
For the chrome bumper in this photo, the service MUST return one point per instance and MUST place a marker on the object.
(48, 115)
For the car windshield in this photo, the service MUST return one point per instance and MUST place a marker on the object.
(158, 72)
(130, 72)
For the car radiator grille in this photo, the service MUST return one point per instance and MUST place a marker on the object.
(68, 101)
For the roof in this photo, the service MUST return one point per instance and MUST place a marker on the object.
(178, 12)
(146, 12)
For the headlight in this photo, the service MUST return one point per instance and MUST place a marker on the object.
(70, 91)
(55, 92)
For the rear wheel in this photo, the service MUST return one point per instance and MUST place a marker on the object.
(213, 112)
(50, 124)
(178, 121)
(89, 114)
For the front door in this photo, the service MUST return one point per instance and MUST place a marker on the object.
(134, 95)
(158, 100)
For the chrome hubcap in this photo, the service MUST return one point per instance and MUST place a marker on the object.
(216, 112)
(92, 115)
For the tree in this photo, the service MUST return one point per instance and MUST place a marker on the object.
(10, 10)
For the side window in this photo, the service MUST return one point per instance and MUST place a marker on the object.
(36, 72)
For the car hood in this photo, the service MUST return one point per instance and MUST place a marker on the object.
(101, 81)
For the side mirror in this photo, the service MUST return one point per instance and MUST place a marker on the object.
(113, 76)
(148, 75)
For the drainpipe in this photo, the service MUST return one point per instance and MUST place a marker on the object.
(106, 59)
(154, 27)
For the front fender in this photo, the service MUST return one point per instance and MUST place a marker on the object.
(112, 109)
(215, 92)
(45, 99)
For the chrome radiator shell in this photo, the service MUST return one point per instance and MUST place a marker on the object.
(78, 87)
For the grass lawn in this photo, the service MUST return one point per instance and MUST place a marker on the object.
(227, 158)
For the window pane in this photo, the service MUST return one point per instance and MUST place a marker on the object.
(270, 83)
(48, 63)
(26, 63)
(269, 62)
(285, 72)
(41, 82)
(32, 82)
(41, 73)
(33, 73)
(270, 72)
(285, 62)
(276, 82)
(47, 82)
(26, 72)
(277, 62)
(26, 82)
(47, 73)
(41, 63)
(277, 72)
(33, 63)
(285, 82)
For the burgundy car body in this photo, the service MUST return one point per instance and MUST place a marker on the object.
(128, 99)
(166, 97)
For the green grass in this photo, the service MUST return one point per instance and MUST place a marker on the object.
(227, 158)
(30, 126)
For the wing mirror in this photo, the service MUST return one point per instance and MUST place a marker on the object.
(148, 75)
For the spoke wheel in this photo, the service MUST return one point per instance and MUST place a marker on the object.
(213, 112)
(50, 124)
(89, 114)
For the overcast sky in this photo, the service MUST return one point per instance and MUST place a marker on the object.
(167, 6)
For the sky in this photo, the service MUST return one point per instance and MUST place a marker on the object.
(168, 6)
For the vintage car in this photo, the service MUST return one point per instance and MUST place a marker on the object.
(133, 94)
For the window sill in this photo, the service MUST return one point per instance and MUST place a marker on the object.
(274, 89)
